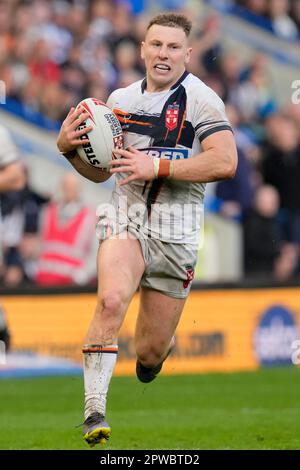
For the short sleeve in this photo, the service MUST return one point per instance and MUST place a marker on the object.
(209, 115)
(8, 150)
(111, 100)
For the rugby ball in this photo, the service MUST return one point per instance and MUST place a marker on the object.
(105, 136)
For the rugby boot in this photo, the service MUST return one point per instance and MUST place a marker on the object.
(96, 430)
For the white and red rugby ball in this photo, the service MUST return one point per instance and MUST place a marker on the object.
(105, 136)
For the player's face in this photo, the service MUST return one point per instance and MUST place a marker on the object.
(166, 54)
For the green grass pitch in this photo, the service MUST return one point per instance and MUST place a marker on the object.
(254, 410)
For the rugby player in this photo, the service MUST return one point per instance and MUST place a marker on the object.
(177, 138)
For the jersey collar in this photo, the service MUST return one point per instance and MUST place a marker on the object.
(183, 76)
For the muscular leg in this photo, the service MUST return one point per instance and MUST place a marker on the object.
(120, 267)
(156, 324)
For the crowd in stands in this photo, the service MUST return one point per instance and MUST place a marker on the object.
(279, 17)
(53, 54)
(282, 17)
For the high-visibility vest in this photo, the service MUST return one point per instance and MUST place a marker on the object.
(65, 247)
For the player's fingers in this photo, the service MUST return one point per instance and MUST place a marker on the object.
(80, 142)
(133, 150)
(76, 113)
(72, 115)
(79, 110)
(84, 131)
(121, 169)
(76, 134)
(70, 112)
(127, 180)
(79, 120)
(120, 161)
(122, 152)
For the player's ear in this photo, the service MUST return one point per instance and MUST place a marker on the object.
(142, 50)
(188, 55)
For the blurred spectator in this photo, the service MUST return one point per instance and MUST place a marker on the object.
(235, 195)
(259, 7)
(293, 112)
(11, 178)
(33, 204)
(281, 168)
(282, 23)
(207, 47)
(245, 140)
(126, 57)
(278, 16)
(41, 66)
(20, 211)
(230, 70)
(12, 175)
(55, 31)
(254, 98)
(67, 234)
(295, 13)
(265, 254)
(287, 264)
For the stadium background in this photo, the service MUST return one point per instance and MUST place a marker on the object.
(243, 314)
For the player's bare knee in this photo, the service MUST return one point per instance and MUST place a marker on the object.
(111, 303)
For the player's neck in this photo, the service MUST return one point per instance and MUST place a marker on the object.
(153, 87)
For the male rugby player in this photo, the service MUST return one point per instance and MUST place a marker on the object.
(177, 138)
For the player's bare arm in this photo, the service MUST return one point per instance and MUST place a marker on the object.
(12, 177)
(70, 137)
(217, 161)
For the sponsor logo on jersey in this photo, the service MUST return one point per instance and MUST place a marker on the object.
(274, 336)
(172, 115)
(167, 153)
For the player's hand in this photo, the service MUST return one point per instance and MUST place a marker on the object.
(138, 164)
(69, 137)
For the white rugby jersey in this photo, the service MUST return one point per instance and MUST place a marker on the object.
(169, 124)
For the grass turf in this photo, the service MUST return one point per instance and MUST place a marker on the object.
(255, 410)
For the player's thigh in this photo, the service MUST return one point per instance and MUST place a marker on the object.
(120, 266)
(157, 320)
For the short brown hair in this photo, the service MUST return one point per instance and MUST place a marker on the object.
(173, 20)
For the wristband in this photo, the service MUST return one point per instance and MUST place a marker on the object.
(156, 166)
(163, 168)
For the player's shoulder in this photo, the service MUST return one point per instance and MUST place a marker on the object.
(199, 92)
(125, 93)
